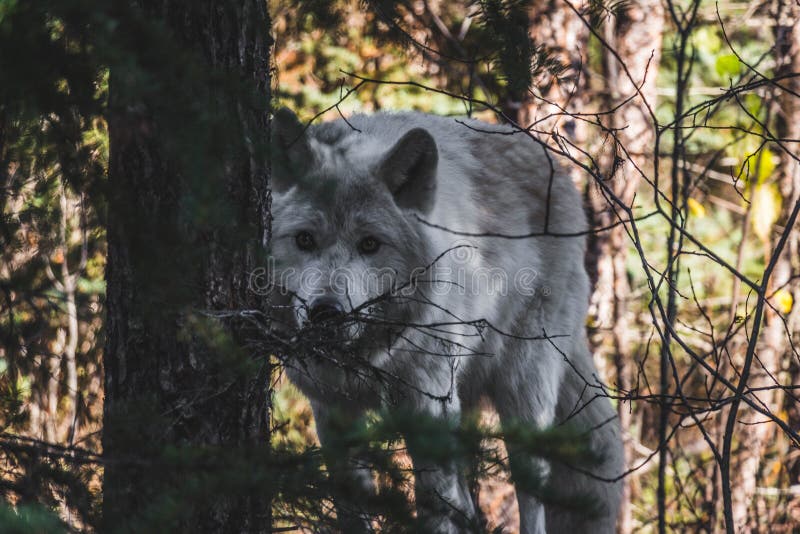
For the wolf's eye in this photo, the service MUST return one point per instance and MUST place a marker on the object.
(304, 241)
(369, 245)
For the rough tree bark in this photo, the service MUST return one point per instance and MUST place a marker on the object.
(188, 218)
(774, 348)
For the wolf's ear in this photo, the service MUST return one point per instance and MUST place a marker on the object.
(409, 170)
(290, 152)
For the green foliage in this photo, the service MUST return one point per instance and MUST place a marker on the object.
(377, 441)
(29, 519)
(294, 427)
(486, 54)
(312, 66)
(506, 25)
(53, 90)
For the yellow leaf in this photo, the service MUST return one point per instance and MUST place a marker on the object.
(766, 206)
(696, 209)
(766, 164)
(783, 300)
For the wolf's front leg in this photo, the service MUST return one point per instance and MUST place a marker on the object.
(444, 503)
(351, 475)
(526, 392)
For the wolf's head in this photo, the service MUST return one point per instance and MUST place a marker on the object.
(345, 243)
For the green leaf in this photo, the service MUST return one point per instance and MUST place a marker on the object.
(728, 66)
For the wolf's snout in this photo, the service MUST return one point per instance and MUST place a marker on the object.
(324, 309)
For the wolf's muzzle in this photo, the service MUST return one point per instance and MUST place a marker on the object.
(324, 309)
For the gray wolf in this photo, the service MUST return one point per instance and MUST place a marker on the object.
(452, 253)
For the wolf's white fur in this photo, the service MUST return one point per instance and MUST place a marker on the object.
(487, 181)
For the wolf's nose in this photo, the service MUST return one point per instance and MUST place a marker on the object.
(324, 309)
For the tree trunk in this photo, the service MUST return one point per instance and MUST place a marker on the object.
(634, 31)
(68, 284)
(50, 421)
(188, 219)
(565, 37)
(774, 347)
(70, 352)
